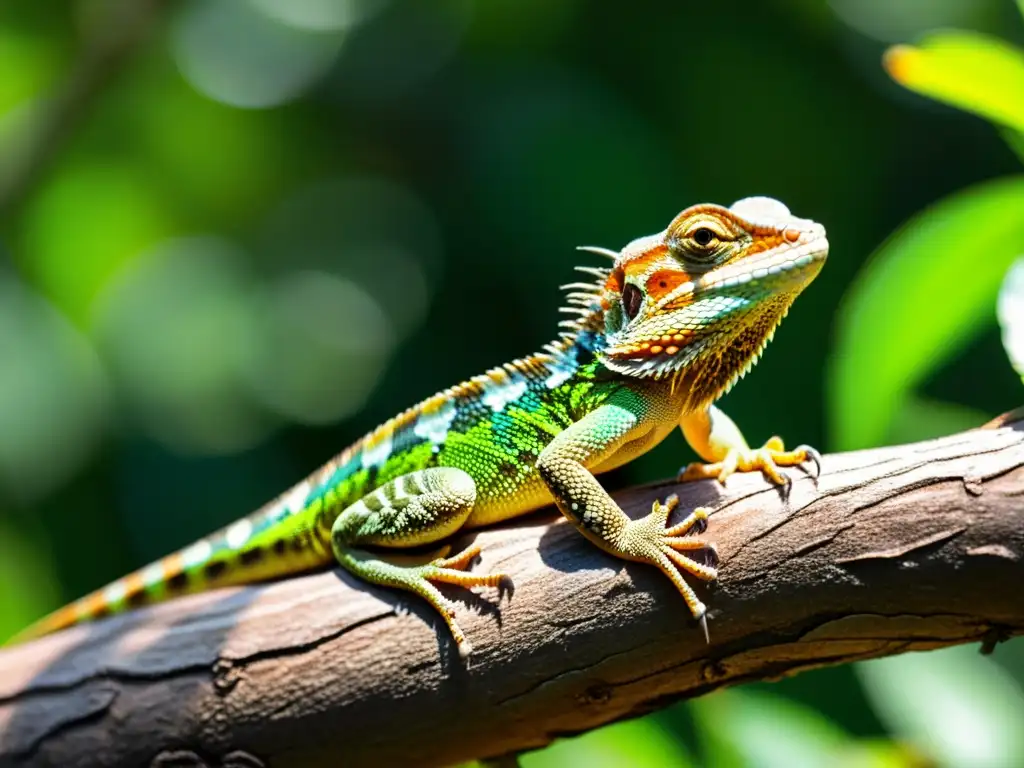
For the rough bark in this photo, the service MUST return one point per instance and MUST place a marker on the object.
(892, 550)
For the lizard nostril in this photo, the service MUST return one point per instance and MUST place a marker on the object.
(791, 235)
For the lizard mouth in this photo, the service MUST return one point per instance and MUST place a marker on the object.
(723, 318)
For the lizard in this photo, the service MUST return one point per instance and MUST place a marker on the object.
(653, 342)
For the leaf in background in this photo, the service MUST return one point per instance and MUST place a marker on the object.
(975, 72)
(921, 418)
(1015, 139)
(923, 295)
(108, 213)
(747, 728)
(28, 63)
(54, 395)
(28, 586)
(955, 704)
(1010, 310)
(640, 743)
(1010, 658)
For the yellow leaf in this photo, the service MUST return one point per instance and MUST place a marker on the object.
(971, 71)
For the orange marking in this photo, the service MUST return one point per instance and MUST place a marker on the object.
(94, 604)
(791, 235)
(643, 261)
(615, 281)
(671, 350)
(765, 241)
(172, 565)
(664, 281)
(656, 350)
(133, 584)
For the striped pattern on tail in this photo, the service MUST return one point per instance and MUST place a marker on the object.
(281, 538)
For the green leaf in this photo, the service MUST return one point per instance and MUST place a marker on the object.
(27, 62)
(108, 212)
(923, 295)
(920, 418)
(1015, 139)
(956, 705)
(641, 743)
(1010, 311)
(974, 72)
(27, 583)
(757, 728)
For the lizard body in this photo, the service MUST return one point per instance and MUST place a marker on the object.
(676, 320)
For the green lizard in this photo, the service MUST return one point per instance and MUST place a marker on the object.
(676, 320)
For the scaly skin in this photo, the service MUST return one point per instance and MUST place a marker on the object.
(678, 318)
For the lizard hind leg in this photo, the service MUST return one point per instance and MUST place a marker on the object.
(421, 507)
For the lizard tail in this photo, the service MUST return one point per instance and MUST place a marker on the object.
(148, 585)
(248, 551)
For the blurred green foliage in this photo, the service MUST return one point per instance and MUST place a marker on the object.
(236, 234)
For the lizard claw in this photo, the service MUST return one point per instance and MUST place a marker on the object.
(769, 460)
(703, 622)
(814, 457)
(786, 487)
(708, 556)
(699, 526)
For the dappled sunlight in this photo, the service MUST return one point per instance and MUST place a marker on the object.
(232, 52)
(321, 15)
(240, 238)
(324, 343)
(895, 22)
(176, 329)
(957, 705)
(54, 397)
(1010, 309)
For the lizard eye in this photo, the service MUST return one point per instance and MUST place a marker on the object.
(632, 298)
(703, 237)
(701, 245)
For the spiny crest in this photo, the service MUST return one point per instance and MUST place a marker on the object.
(585, 303)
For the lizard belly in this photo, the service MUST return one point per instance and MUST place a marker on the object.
(496, 501)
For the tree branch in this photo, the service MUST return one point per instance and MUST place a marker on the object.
(892, 550)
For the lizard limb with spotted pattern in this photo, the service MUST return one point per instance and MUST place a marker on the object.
(654, 341)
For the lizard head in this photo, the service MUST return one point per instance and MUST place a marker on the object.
(700, 300)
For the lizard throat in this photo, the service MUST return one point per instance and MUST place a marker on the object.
(711, 364)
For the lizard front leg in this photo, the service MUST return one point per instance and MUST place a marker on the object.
(563, 465)
(418, 508)
(716, 438)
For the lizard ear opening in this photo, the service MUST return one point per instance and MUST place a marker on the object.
(632, 298)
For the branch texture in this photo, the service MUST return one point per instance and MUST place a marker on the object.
(898, 549)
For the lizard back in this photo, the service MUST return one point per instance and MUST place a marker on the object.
(511, 410)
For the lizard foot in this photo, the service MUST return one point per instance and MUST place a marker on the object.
(451, 570)
(649, 540)
(768, 459)
(395, 571)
